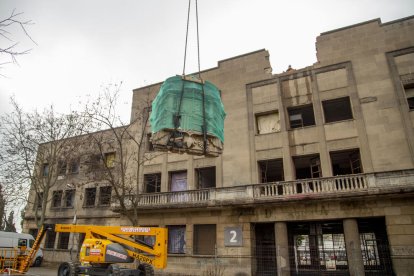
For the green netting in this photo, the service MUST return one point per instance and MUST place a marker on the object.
(166, 105)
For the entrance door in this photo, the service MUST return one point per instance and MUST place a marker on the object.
(265, 249)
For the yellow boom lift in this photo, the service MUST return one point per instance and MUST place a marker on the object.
(105, 247)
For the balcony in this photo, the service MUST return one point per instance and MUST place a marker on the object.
(321, 188)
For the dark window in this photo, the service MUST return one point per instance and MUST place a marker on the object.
(346, 162)
(74, 166)
(307, 166)
(90, 196)
(337, 110)
(45, 170)
(95, 162)
(50, 239)
(39, 200)
(301, 116)
(150, 147)
(176, 239)
(409, 93)
(152, 183)
(69, 198)
(105, 195)
(204, 239)
(61, 167)
(206, 177)
(57, 199)
(271, 170)
(63, 241)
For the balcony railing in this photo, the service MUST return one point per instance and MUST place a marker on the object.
(327, 187)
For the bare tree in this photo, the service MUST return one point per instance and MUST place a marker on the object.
(121, 149)
(9, 47)
(34, 148)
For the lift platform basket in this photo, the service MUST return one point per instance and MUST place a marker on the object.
(178, 116)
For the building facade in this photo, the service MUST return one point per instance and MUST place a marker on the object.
(317, 172)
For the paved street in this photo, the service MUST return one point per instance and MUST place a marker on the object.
(44, 270)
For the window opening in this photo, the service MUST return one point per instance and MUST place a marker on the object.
(105, 195)
(178, 181)
(62, 167)
(57, 199)
(90, 196)
(337, 110)
(110, 159)
(346, 162)
(308, 166)
(39, 200)
(63, 241)
(74, 166)
(152, 182)
(176, 239)
(204, 239)
(301, 116)
(45, 170)
(271, 170)
(69, 198)
(268, 123)
(408, 84)
(206, 177)
(50, 239)
(150, 146)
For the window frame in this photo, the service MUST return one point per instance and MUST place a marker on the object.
(103, 195)
(344, 114)
(201, 235)
(182, 243)
(87, 196)
(157, 186)
(305, 121)
(57, 196)
(267, 114)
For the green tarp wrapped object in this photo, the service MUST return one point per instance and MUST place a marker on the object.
(167, 102)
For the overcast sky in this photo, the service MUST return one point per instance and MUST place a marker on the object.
(84, 44)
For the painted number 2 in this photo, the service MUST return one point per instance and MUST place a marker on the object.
(233, 236)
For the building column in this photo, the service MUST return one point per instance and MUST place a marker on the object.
(353, 247)
(282, 249)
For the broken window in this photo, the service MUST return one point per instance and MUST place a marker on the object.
(346, 162)
(204, 239)
(301, 116)
(271, 170)
(206, 177)
(57, 199)
(63, 241)
(90, 196)
(105, 195)
(307, 166)
(178, 181)
(337, 110)
(152, 182)
(268, 123)
(408, 84)
(110, 159)
(69, 198)
(176, 239)
(61, 167)
(50, 239)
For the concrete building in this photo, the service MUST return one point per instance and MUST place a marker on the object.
(317, 172)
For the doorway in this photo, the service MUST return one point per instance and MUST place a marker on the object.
(265, 249)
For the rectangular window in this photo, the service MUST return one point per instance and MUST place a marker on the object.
(176, 239)
(90, 196)
(63, 241)
(337, 110)
(268, 123)
(74, 166)
(206, 177)
(150, 147)
(69, 198)
(105, 195)
(39, 200)
(95, 162)
(110, 159)
(301, 116)
(178, 181)
(346, 162)
(307, 166)
(271, 170)
(50, 239)
(62, 168)
(45, 170)
(204, 239)
(57, 199)
(152, 182)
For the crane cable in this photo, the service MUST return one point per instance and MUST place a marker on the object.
(177, 116)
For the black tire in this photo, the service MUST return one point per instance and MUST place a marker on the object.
(145, 270)
(37, 262)
(114, 270)
(67, 269)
